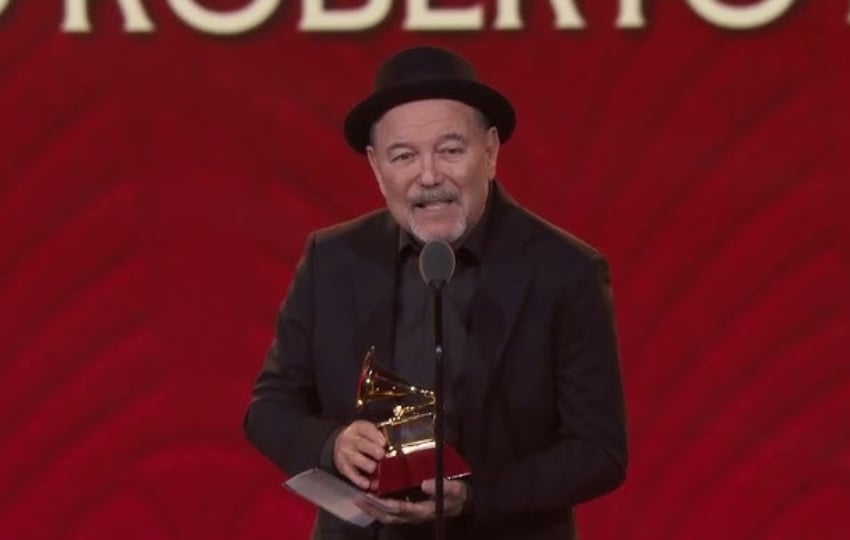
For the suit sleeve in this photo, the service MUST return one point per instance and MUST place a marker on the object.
(283, 420)
(588, 454)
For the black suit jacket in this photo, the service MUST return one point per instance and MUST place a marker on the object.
(543, 423)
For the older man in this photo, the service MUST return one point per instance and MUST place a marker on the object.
(533, 396)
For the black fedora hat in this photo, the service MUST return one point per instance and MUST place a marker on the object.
(426, 73)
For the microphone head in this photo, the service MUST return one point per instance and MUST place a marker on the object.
(437, 263)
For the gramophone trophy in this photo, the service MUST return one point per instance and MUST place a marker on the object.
(408, 427)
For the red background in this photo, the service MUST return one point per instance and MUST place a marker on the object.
(156, 191)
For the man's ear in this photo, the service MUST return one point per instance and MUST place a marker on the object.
(491, 148)
(373, 162)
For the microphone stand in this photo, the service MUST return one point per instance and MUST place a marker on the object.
(436, 265)
(439, 398)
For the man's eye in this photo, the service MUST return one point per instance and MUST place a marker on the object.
(402, 157)
(451, 151)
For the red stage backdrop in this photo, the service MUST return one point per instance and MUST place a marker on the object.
(162, 162)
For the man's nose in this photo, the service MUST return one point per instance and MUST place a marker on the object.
(429, 175)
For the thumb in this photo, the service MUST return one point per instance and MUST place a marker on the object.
(429, 486)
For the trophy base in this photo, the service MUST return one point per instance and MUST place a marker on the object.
(400, 474)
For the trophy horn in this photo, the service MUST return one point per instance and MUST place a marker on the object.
(378, 383)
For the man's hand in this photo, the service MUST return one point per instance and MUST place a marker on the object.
(394, 511)
(357, 450)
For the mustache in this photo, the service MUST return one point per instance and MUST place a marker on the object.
(437, 194)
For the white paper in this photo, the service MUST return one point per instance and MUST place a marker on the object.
(330, 493)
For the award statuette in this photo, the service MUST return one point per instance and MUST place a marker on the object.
(408, 429)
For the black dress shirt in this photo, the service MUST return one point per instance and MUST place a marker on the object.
(413, 344)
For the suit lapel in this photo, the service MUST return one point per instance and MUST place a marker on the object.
(502, 287)
(374, 283)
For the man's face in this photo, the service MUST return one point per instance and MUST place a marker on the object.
(433, 160)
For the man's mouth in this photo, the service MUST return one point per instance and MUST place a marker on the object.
(433, 205)
(437, 202)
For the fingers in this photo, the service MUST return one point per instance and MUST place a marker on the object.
(415, 512)
(455, 493)
(451, 488)
(357, 450)
(369, 440)
(393, 511)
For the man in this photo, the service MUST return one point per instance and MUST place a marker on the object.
(533, 401)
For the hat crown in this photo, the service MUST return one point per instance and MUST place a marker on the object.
(420, 73)
(420, 64)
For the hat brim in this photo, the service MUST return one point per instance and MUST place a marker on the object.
(491, 103)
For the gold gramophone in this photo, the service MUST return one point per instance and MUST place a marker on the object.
(408, 429)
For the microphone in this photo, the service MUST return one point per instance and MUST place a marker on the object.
(437, 263)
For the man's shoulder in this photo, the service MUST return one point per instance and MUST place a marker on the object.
(551, 241)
